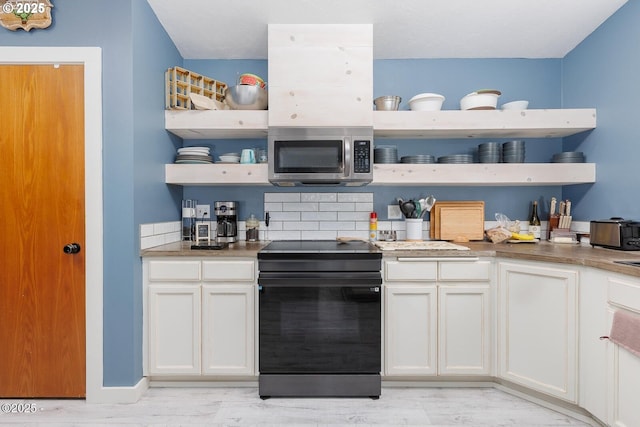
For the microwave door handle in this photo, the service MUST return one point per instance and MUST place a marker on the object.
(348, 146)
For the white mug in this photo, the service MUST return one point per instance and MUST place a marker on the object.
(248, 156)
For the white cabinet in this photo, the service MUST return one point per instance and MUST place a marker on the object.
(320, 75)
(623, 293)
(537, 322)
(228, 329)
(199, 317)
(437, 317)
(411, 329)
(464, 346)
(174, 332)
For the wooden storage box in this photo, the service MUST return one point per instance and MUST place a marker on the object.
(180, 83)
(458, 221)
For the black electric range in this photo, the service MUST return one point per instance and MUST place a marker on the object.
(320, 319)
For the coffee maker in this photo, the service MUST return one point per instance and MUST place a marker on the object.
(227, 221)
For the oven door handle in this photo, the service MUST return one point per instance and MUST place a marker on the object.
(323, 279)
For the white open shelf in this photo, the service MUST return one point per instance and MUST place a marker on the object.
(217, 124)
(473, 174)
(451, 124)
(483, 123)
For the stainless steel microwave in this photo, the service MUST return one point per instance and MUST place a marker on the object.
(320, 156)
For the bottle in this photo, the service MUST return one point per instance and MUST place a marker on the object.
(373, 227)
(253, 226)
(534, 221)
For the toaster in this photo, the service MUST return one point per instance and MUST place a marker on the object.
(616, 233)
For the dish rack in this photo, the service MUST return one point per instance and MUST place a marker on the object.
(180, 83)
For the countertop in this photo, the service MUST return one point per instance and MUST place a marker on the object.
(573, 254)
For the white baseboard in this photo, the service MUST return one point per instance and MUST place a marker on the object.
(119, 394)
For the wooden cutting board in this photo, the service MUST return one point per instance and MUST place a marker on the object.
(457, 220)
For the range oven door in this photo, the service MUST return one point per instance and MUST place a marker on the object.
(313, 328)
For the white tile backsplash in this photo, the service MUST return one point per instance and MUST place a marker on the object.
(160, 233)
(318, 216)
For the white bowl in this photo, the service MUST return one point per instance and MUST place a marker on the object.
(486, 99)
(515, 105)
(426, 102)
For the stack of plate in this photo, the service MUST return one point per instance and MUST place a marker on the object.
(456, 158)
(568, 157)
(385, 154)
(489, 152)
(194, 155)
(513, 152)
(229, 158)
(418, 158)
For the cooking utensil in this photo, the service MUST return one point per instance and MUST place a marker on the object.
(407, 207)
(246, 97)
(387, 103)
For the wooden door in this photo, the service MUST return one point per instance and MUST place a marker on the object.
(42, 289)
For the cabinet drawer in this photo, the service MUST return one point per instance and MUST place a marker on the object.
(624, 294)
(174, 270)
(465, 270)
(410, 270)
(229, 270)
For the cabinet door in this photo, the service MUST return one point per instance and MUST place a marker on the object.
(623, 293)
(228, 329)
(464, 330)
(593, 351)
(174, 329)
(411, 330)
(538, 327)
(624, 389)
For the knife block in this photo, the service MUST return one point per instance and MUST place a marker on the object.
(554, 221)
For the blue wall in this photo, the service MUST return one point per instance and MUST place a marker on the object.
(134, 51)
(603, 72)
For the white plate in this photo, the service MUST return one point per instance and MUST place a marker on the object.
(201, 102)
(200, 162)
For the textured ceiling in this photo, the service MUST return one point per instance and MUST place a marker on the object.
(231, 29)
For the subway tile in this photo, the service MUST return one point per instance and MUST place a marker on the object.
(384, 225)
(273, 207)
(319, 216)
(319, 235)
(284, 235)
(146, 230)
(300, 207)
(284, 216)
(353, 216)
(341, 225)
(366, 207)
(342, 207)
(301, 225)
(318, 197)
(361, 225)
(274, 225)
(355, 197)
(281, 197)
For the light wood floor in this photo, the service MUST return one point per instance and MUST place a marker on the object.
(243, 407)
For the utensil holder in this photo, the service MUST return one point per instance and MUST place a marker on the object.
(413, 229)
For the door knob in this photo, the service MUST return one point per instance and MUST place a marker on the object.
(71, 248)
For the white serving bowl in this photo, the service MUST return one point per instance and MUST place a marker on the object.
(426, 102)
(515, 105)
(486, 99)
